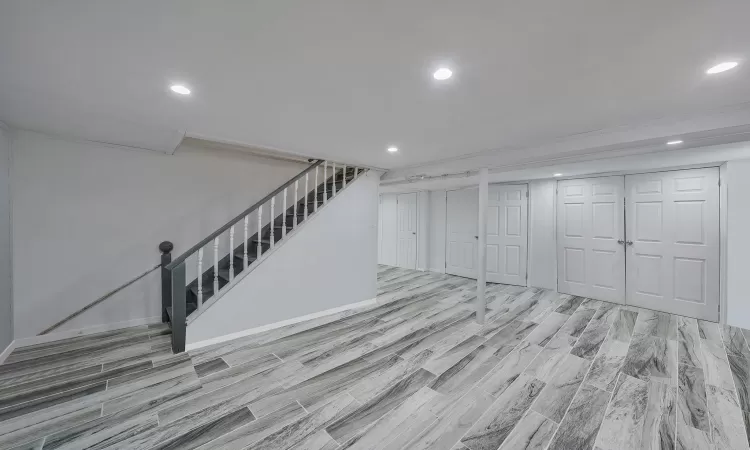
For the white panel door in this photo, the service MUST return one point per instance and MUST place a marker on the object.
(507, 245)
(407, 231)
(673, 224)
(462, 211)
(590, 222)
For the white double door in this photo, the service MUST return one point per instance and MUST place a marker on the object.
(507, 244)
(668, 227)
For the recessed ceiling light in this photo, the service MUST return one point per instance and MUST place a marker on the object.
(674, 142)
(723, 67)
(180, 89)
(442, 73)
(393, 149)
(557, 175)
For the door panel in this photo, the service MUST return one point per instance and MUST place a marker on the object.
(673, 222)
(591, 263)
(507, 245)
(462, 212)
(407, 231)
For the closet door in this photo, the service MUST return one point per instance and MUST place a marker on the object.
(407, 231)
(507, 244)
(673, 224)
(462, 237)
(590, 238)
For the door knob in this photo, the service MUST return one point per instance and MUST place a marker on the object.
(413, 232)
(629, 242)
(620, 241)
(476, 237)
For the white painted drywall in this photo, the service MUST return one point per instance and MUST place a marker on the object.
(542, 263)
(738, 243)
(6, 263)
(388, 229)
(329, 263)
(88, 217)
(436, 227)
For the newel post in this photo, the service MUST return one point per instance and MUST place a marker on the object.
(165, 248)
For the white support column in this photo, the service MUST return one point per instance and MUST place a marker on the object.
(482, 244)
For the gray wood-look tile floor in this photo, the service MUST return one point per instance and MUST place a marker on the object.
(547, 371)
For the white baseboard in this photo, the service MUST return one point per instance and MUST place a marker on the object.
(43, 338)
(8, 350)
(283, 323)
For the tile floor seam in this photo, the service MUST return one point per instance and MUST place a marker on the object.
(583, 381)
(734, 383)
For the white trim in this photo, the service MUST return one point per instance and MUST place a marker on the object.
(8, 350)
(723, 243)
(283, 323)
(44, 338)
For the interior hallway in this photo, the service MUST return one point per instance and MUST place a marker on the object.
(415, 371)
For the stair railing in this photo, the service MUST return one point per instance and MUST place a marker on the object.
(262, 216)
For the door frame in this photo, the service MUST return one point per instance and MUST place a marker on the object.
(528, 217)
(722, 167)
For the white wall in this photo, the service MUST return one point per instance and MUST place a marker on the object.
(88, 217)
(330, 263)
(738, 243)
(6, 292)
(388, 230)
(542, 263)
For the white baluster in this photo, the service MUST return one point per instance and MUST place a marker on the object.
(334, 180)
(296, 203)
(273, 203)
(244, 245)
(200, 277)
(216, 265)
(283, 217)
(325, 182)
(307, 175)
(344, 177)
(355, 173)
(316, 188)
(231, 253)
(260, 227)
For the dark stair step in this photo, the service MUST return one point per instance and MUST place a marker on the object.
(251, 257)
(208, 285)
(279, 228)
(191, 307)
(264, 242)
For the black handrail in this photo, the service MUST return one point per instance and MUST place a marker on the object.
(184, 256)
